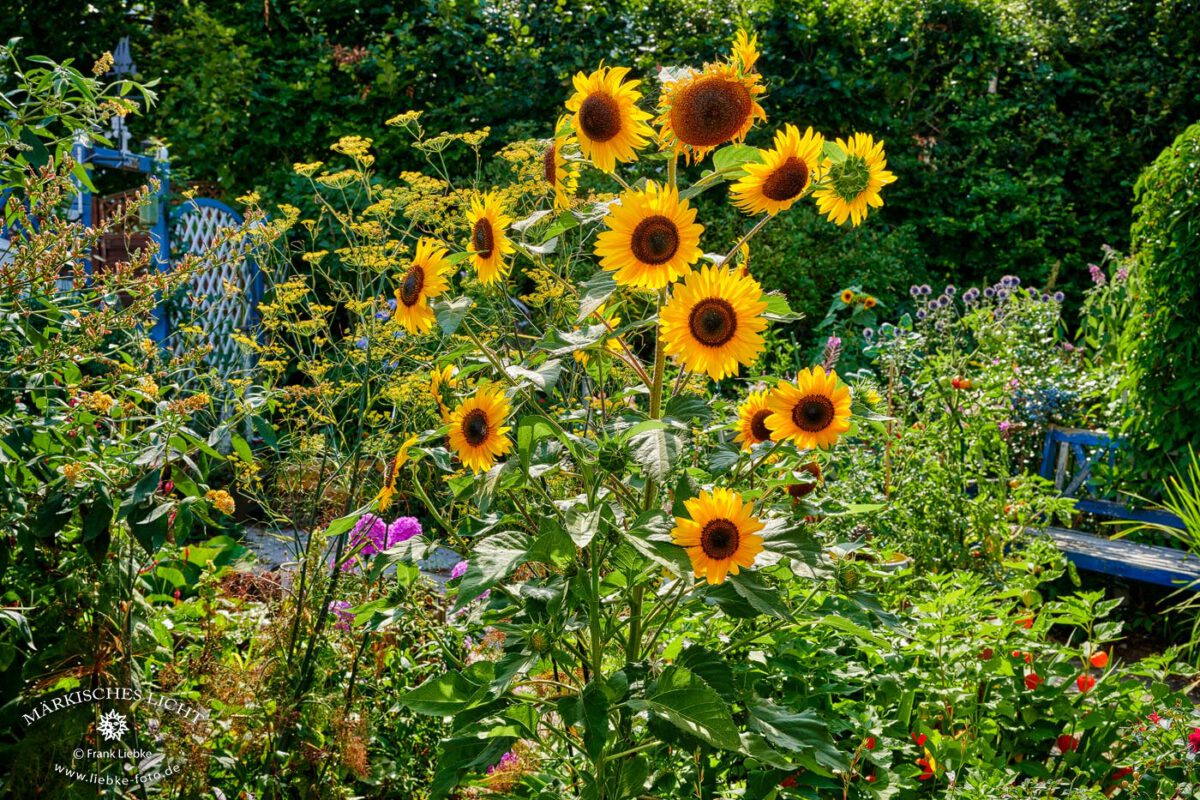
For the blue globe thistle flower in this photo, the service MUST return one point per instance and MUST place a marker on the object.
(950, 290)
(1058, 297)
(989, 291)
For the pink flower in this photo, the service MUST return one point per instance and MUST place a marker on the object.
(340, 609)
(401, 530)
(1194, 741)
(459, 570)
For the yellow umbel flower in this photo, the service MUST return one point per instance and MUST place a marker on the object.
(477, 430)
(812, 412)
(713, 321)
(560, 174)
(745, 50)
(704, 110)
(606, 118)
(425, 278)
(489, 244)
(784, 175)
(388, 490)
(652, 238)
(721, 536)
(852, 185)
(752, 420)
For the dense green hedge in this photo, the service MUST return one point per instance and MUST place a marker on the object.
(1016, 128)
(1161, 335)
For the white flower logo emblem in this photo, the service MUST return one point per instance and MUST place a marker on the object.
(112, 725)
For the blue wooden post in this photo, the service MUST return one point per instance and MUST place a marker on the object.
(81, 152)
(160, 234)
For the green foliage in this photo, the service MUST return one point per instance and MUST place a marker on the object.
(1160, 336)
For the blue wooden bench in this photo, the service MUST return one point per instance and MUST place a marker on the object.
(1067, 459)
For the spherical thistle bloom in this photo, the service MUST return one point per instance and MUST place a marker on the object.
(813, 412)
(703, 110)
(847, 296)
(652, 238)
(489, 244)
(1058, 297)
(752, 420)
(926, 289)
(606, 119)
(914, 290)
(852, 185)
(951, 290)
(458, 570)
(989, 292)
(477, 430)
(921, 314)
(721, 536)
(714, 320)
(868, 333)
(784, 174)
(560, 174)
(425, 278)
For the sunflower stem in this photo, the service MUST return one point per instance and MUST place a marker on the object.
(745, 239)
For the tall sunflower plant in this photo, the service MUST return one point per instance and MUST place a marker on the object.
(626, 534)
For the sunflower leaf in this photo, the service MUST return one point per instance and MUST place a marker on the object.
(690, 704)
(657, 450)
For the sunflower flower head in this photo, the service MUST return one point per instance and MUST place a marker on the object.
(561, 175)
(610, 126)
(478, 434)
(424, 278)
(652, 237)
(851, 184)
(391, 473)
(714, 321)
(782, 176)
(702, 110)
(745, 51)
(489, 243)
(813, 412)
(722, 535)
(752, 420)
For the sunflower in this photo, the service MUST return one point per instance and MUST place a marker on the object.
(752, 421)
(606, 119)
(847, 296)
(745, 50)
(852, 185)
(477, 430)
(446, 376)
(425, 278)
(721, 536)
(488, 243)
(870, 303)
(560, 175)
(813, 412)
(712, 322)
(703, 110)
(388, 491)
(652, 237)
(784, 175)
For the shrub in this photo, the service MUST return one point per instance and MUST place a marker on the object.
(1163, 348)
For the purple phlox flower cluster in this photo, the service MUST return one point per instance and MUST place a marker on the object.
(507, 761)
(375, 536)
(1121, 275)
(1098, 276)
(341, 610)
(459, 569)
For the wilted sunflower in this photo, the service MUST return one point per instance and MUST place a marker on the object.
(488, 243)
(712, 322)
(388, 491)
(784, 175)
(721, 536)
(852, 185)
(425, 278)
(703, 110)
(559, 173)
(813, 412)
(652, 237)
(477, 430)
(606, 119)
(752, 420)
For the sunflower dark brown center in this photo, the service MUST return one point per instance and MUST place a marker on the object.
(814, 413)
(411, 286)
(719, 539)
(786, 181)
(600, 117)
(758, 425)
(548, 167)
(483, 238)
(710, 111)
(713, 321)
(655, 240)
(475, 427)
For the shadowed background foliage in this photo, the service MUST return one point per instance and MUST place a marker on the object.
(1017, 127)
